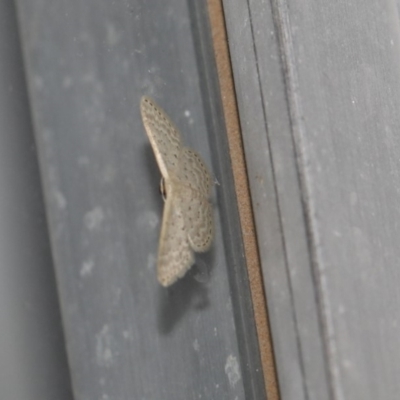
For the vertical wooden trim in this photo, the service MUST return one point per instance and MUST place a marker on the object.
(243, 195)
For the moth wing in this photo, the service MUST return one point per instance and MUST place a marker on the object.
(175, 255)
(164, 137)
(198, 217)
(193, 172)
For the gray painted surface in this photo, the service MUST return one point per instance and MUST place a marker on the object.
(33, 361)
(88, 64)
(318, 92)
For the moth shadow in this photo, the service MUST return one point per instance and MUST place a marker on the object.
(152, 171)
(190, 292)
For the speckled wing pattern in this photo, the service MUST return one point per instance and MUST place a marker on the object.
(163, 135)
(175, 255)
(187, 224)
(195, 191)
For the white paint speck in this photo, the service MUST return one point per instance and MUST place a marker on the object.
(83, 160)
(148, 218)
(188, 114)
(151, 262)
(109, 173)
(67, 82)
(38, 82)
(113, 36)
(87, 268)
(125, 65)
(60, 200)
(104, 354)
(88, 77)
(127, 334)
(94, 218)
(353, 198)
(232, 370)
(117, 293)
(347, 364)
(196, 345)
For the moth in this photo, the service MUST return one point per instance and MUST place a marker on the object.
(187, 223)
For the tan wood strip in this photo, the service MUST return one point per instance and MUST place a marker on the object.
(243, 195)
